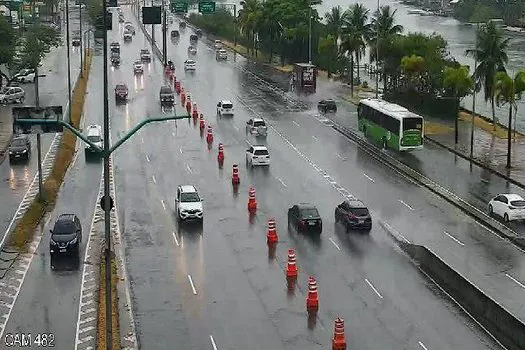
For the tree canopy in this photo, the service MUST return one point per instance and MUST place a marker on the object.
(39, 39)
(8, 42)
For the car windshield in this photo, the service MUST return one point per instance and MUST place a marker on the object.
(259, 123)
(121, 87)
(165, 90)
(138, 63)
(94, 138)
(359, 211)
(309, 212)
(144, 52)
(261, 152)
(190, 62)
(518, 203)
(190, 197)
(227, 105)
(18, 142)
(64, 227)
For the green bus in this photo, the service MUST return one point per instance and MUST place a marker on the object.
(390, 125)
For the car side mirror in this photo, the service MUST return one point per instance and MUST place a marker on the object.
(218, 104)
(202, 199)
(176, 199)
(248, 150)
(51, 231)
(248, 123)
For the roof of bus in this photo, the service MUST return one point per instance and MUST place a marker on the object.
(391, 109)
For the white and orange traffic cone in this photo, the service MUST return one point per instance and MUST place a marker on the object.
(209, 136)
(271, 237)
(220, 156)
(312, 300)
(236, 180)
(291, 268)
(339, 340)
(252, 202)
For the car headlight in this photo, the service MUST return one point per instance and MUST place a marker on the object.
(24, 151)
(52, 242)
(11, 152)
(74, 240)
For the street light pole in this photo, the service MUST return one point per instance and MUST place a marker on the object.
(81, 43)
(66, 2)
(310, 34)
(164, 33)
(474, 96)
(235, 25)
(377, 52)
(107, 218)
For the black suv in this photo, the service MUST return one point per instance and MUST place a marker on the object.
(66, 237)
(121, 93)
(20, 148)
(198, 32)
(353, 214)
(325, 106)
(175, 34)
(166, 96)
(194, 38)
(304, 217)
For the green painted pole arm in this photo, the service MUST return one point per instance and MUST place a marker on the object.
(139, 126)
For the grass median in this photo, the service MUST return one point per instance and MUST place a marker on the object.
(28, 223)
(101, 324)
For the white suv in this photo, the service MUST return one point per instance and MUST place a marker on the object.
(225, 107)
(12, 94)
(257, 155)
(94, 134)
(188, 203)
(190, 65)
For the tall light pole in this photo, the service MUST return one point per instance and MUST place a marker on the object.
(474, 95)
(164, 34)
(310, 32)
(81, 42)
(377, 52)
(66, 2)
(107, 218)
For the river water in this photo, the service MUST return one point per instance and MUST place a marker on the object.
(460, 37)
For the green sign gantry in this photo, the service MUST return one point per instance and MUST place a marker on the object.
(179, 7)
(207, 6)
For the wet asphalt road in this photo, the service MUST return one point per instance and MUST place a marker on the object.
(364, 279)
(493, 264)
(48, 301)
(17, 177)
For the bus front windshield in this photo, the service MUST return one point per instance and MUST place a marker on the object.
(412, 124)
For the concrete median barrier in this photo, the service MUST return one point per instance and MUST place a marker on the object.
(506, 328)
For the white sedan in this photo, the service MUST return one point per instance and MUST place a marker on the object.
(508, 206)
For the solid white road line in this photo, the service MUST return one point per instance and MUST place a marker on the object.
(180, 150)
(192, 285)
(516, 281)
(147, 158)
(335, 244)
(423, 346)
(188, 168)
(406, 205)
(175, 238)
(340, 156)
(454, 238)
(154, 179)
(373, 288)
(282, 182)
(368, 177)
(213, 342)
(163, 204)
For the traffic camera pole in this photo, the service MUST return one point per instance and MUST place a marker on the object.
(107, 226)
(164, 31)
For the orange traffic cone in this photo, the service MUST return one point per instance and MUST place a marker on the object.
(195, 112)
(312, 300)
(182, 96)
(252, 203)
(235, 175)
(202, 125)
(291, 268)
(339, 341)
(271, 237)
(220, 156)
(177, 87)
(209, 137)
(188, 106)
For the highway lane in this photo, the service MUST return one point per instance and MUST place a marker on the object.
(48, 301)
(489, 262)
(17, 177)
(270, 192)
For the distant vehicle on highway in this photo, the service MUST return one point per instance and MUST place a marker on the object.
(182, 25)
(327, 106)
(221, 54)
(25, 76)
(175, 34)
(66, 237)
(129, 27)
(225, 107)
(193, 39)
(121, 93)
(510, 207)
(128, 36)
(94, 134)
(138, 67)
(166, 96)
(190, 65)
(145, 55)
(115, 58)
(75, 41)
(257, 156)
(353, 214)
(188, 204)
(304, 217)
(12, 94)
(391, 125)
(115, 47)
(121, 19)
(192, 50)
(20, 148)
(198, 32)
(218, 44)
(257, 127)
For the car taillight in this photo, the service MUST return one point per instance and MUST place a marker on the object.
(302, 223)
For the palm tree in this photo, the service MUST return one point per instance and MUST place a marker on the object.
(459, 83)
(350, 43)
(358, 20)
(336, 20)
(383, 29)
(491, 55)
(509, 90)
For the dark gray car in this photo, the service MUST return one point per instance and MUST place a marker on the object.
(166, 96)
(353, 214)
(66, 237)
(20, 148)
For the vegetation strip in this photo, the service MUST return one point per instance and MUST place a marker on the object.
(101, 324)
(26, 226)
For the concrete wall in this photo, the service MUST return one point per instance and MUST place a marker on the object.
(498, 321)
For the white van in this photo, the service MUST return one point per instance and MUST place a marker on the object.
(94, 134)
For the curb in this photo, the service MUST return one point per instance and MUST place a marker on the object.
(4, 149)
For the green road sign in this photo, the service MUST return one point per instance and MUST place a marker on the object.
(179, 7)
(207, 6)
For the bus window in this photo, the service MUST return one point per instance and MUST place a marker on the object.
(412, 124)
(391, 125)
(360, 110)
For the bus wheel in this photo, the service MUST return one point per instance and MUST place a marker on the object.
(385, 145)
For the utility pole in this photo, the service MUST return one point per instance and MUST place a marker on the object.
(310, 32)
(66, 4)
(81, 43)
(152, 31)
(107, 217)
(474, 96)
(377, 52)
(235, 25)
(164, 33)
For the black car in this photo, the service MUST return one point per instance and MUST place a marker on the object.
(20, 148)
(326, 106)
(182, 25)
(353, 214)
(198, 32)
(304, 217)
(194, 38)
(175, 34)
(75, 42)
(66, 237)
(121, 93)
(166, 96)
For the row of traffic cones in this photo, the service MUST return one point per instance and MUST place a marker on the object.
(272, 238)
